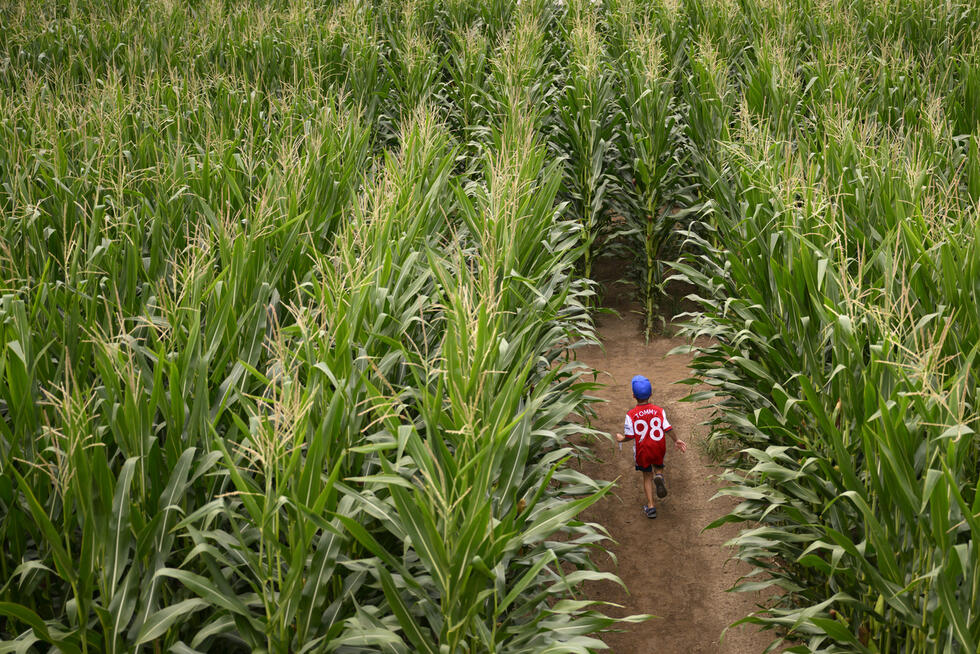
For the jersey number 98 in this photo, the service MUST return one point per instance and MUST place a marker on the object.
(654, 428)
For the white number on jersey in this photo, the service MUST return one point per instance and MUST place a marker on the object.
(643, 427)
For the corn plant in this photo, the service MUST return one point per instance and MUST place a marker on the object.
(246, 309)
(771, 87)
(845, 380)
(652, 150)
(288, 295)
(467, 91)
(475, 496)
(587, 118)
(522, 77)
(413, 65)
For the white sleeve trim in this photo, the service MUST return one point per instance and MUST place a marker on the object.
(628, 427)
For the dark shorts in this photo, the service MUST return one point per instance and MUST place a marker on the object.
(650, 468)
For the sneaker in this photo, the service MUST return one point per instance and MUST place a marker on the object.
(658, 480)
(650, 511)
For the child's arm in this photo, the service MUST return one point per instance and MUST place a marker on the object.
(627, 430)
(678, 443)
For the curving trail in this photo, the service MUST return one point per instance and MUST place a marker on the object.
(671, 568)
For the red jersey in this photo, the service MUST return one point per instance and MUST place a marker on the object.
(646, 424)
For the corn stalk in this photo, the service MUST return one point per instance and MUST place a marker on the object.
(651, 148)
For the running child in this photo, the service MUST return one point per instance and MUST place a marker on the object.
(647, 425)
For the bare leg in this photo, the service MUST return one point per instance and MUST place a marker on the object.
(648, 486)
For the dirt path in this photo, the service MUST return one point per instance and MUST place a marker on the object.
(672, 569)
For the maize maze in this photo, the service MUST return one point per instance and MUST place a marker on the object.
(290, 292)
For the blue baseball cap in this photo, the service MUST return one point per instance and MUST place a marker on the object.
(641, 387)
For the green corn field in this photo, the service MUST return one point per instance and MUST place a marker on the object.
(290, 294)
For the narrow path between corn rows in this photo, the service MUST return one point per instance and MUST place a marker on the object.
(671, 568)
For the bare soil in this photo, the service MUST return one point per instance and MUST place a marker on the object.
(672, 568)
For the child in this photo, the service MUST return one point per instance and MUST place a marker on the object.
(646, 424)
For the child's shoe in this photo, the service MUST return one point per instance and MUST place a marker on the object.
(650, 511)
(658, 480)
